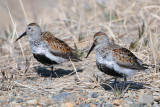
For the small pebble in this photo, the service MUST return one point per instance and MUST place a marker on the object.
(145, 98)
(93, 105)
(94, 95)
(32, 102)
(106, 105)
(71, 98)
(157, 98)
(68, 104)
(157, 106)
(126, 95)
(14, 104)
(11, 99)
(60, 97)
(19, 100)
(117, 102)
(138, 105)
(84, 105)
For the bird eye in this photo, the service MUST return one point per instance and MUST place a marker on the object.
(29, 28)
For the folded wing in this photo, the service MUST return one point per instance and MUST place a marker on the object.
(59, 48)
(127, 59)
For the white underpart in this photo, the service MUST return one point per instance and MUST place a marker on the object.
(108, 61)
(43, 50)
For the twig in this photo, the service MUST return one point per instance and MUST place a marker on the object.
(74, 68)
(23, 11)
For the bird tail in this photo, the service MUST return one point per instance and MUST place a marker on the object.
(73, 57)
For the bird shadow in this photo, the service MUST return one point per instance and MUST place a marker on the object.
(132, 85)
(44, 72)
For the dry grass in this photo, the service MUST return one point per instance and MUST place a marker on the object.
(77, 21)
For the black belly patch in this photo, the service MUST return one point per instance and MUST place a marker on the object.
(108, 71)
(43, 59)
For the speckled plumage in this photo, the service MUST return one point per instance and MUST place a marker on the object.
(46, 48)
(113, 59)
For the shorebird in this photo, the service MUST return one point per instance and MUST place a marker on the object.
(46, 48)
(113, 59)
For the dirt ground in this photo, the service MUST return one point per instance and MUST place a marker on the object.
(132, 24)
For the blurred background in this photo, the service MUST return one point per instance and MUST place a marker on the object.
(133, 24)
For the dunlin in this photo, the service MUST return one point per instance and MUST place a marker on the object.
(46, 48)
(113, 59)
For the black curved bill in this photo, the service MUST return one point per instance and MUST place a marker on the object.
(92, 47)
(21, 36)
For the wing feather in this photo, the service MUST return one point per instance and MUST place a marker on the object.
(59, 48)
(125, 58)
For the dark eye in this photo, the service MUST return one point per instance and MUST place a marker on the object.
(29, 28)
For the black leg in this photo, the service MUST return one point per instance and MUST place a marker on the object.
(124, 82)
(51, 68)
(115, 83)
(51, 72)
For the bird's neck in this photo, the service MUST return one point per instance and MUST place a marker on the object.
(35, 42)
(101, 48)
(103, 45)
(37, 45)
(37, 37)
